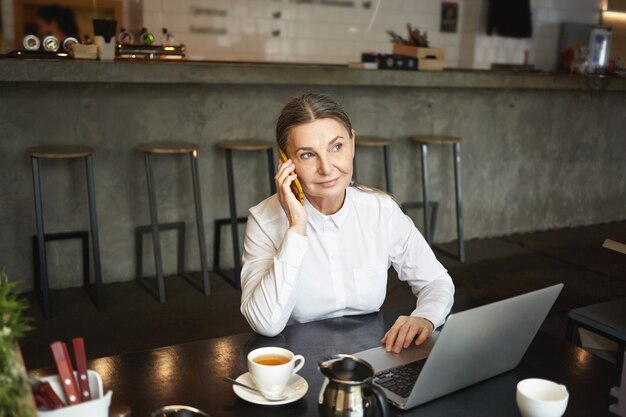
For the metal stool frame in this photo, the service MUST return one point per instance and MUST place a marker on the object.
(386, 166)
(456, 152)
(234, 277)
(40, 254)
(155, 227)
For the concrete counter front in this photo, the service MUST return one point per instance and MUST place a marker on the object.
(288, 74)
(539, 151)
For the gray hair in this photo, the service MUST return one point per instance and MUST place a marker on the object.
(307, 108)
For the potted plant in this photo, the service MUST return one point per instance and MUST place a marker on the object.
(15, 395)
(417, 46)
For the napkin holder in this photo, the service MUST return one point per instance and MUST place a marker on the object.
(98, 406)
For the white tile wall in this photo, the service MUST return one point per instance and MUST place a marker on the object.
(307, 33)
(331, 34)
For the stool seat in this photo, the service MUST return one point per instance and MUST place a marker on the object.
(436, 139)
(246, 144)
(168, 147)
(372, 141)
(59, 151)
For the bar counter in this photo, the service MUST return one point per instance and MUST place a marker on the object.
(290, 74)
(539, 150)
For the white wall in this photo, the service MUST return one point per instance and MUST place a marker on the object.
(308, 33)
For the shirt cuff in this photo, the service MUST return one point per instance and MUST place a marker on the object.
(293, 248)
(431, 316)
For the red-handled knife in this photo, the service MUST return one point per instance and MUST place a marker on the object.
(45, 397)
(66, 372)
(78, 345)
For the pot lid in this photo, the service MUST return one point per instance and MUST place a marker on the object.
(346, 368)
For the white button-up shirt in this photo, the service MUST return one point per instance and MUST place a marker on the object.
(340, 267)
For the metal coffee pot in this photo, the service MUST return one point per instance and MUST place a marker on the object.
(348, 390)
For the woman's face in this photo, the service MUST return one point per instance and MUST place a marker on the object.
(322, 152)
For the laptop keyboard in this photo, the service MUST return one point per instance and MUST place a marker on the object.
(400, 380)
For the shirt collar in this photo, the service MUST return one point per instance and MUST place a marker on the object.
(317, 219)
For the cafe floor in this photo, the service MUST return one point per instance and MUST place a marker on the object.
(495, 268)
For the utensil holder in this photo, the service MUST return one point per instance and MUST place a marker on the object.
(98, 406)
(106, 50)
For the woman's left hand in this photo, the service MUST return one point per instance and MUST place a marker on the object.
(404, 330)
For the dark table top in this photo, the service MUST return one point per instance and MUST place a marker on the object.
(609, 316)
(192, 373)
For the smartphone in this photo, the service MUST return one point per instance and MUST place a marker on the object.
(296, 187)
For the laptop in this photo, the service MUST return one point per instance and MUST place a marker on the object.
(473, 345)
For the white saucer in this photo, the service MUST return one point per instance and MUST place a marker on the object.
(296, 388)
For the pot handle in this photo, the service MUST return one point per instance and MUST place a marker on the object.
(381, 398)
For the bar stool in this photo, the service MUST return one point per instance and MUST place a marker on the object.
(171, 148)
(429, 220)
(244, 145)
(376, 142)
(39, 242)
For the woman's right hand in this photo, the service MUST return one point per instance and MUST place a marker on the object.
(295, 211)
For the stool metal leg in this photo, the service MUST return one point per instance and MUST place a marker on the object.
(199, 221)
(459, 202)
(155, 229)
(569, 330)
(180, 246)
(42, 267)
(86, 269)
(93, 220)
(138, 254)
(233, 216)
(270, 163)
(428, 236)
(387, 169)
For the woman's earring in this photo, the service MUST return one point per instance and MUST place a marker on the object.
(351, 183)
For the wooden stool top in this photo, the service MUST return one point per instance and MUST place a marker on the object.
(372, 141)
(168, 147)
(615, 244)
(59, 151)
(436, 139)
(246, 144)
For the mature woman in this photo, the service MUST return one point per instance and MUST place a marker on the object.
(330, 256)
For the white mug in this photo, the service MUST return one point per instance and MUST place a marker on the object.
(271, 368)
(541, 398)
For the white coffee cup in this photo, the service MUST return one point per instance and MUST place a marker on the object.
(271, 368)
(541, 398)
